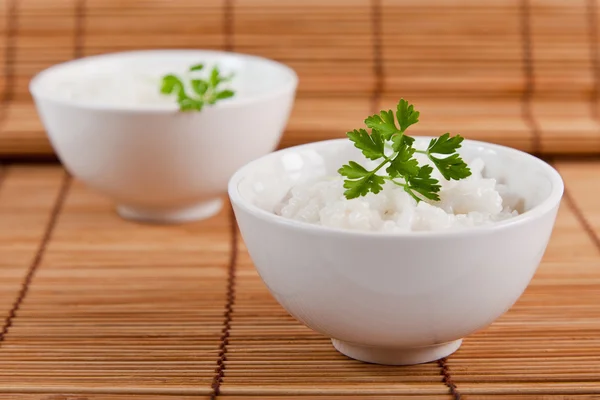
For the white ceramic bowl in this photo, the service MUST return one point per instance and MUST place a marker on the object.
(158, 164)
(393, 298)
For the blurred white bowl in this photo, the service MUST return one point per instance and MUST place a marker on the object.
(158, 164)
(393, 298)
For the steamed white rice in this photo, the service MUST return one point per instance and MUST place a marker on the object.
(470, 202)
(126, 87)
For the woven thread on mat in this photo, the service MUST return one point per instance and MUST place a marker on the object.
(33, 267)
(80, 10)
(228, 24)
(2, 174)
(592, 9)
(377, 54)
(224, 341)
(447, 378)
(9, 56)
(528, 73)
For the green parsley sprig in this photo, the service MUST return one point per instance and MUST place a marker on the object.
(401, 167)
(205, 91)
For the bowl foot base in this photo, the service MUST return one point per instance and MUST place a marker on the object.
(196, 212)
(396, 356)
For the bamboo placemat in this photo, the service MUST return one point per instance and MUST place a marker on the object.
(519, 72)
(94, 307)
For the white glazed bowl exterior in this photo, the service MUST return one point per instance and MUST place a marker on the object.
(393, 290)
(163, 160)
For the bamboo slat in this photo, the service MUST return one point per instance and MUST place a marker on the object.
(118, 310)
(96, 396)
(88, 396)
(4, 7)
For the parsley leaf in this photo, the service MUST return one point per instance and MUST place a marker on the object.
(369, 183)
(215, 78)
(353, 170)
(404, 164)
(445, 144)
(171, 84)
(451, 167)
(406, 115)
(400, 140)
(424, 184)
(383, 123)
(203, 91)
(225, 94)
(370, 145)
(189, 104)
(200, 86)
(361, 181)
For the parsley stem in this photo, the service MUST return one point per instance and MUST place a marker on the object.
(385, 161)
(406, 187)
(408, 190)
(422, 152)
(395, 182)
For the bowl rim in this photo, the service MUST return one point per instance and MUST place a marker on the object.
(38, 94)
(547, 205)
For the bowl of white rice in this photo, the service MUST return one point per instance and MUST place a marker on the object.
(390, 280)
(113, 128)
